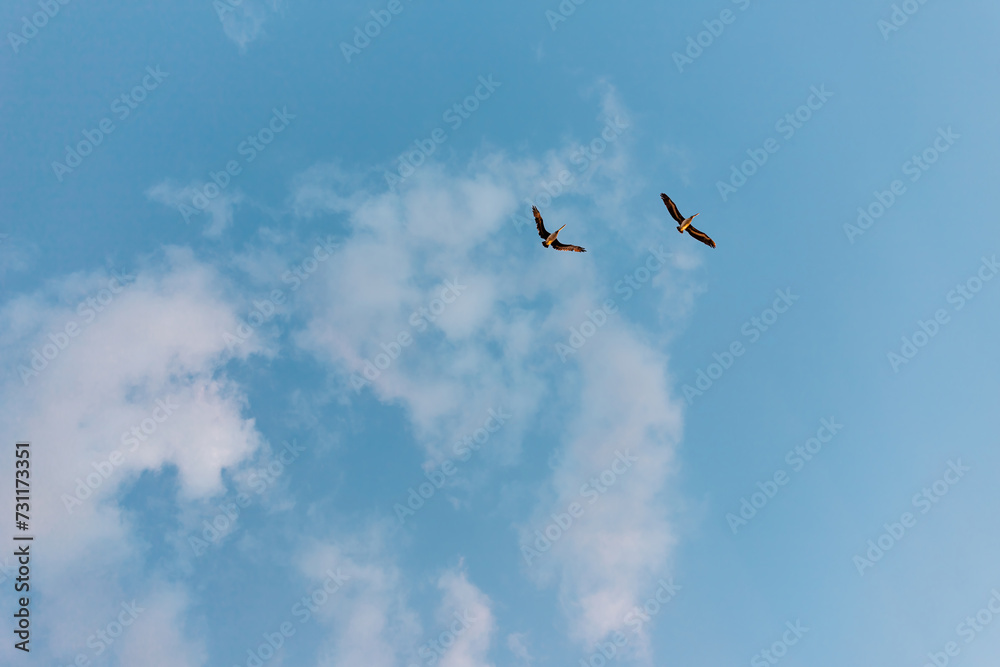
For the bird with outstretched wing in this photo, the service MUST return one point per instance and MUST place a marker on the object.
(550, 240)
(684, 224)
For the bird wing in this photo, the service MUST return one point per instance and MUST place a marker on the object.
(559, 245)
(700, 235)
(538, 223)
(672, 207)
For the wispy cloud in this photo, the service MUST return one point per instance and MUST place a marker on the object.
(161, 337)
(243, 22)
(375, 622)
(487, 349)
(517, 643)
(191, 203)
(15, 254)
(490, 346)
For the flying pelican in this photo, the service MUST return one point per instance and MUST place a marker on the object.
(685, 223)
(550, 239)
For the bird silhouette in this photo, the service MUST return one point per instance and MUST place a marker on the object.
(684, 224)
(550, 240)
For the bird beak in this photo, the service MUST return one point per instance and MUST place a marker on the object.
(560, 229)
(695, 216)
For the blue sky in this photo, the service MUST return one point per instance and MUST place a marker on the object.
(241, 352)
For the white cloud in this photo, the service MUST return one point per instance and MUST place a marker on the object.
(372, 622)
(141, 346)
(606, 559)
(243, 22)
(517, 643)
(157, 638)
(483, 306)
(191, 202)
(373, 291)
(326, 188)
(494, 345)
(15, 254)
(465, 615)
